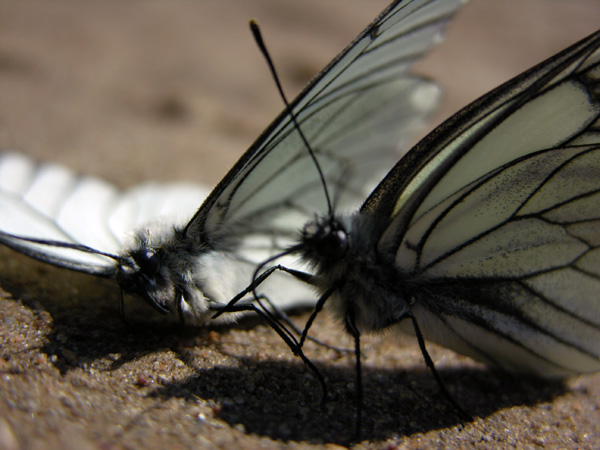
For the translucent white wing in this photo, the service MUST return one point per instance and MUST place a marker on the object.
(50, 202)
(356, 114)
(501, 217)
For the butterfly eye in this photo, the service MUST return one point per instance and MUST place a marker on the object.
(337, 241)
(328, 237)
(148, 261)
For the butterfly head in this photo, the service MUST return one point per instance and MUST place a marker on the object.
(325, 241)
(140, 273)
(154, 267)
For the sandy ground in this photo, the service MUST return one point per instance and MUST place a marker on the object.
(132, 91)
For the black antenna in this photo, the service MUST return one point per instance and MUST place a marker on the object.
(261, 45)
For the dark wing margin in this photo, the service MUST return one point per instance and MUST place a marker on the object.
(68, 256)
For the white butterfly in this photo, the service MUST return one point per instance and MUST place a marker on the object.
(486, 235)
(355, 113)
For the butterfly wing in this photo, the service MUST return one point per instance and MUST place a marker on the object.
(50, 202)
(499, 212)
(355, 115)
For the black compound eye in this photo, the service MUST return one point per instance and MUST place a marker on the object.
(325, 240)
(335, 243)
(148, 261)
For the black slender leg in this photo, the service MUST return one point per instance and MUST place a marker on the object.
(286, 319)
(311, 319)
(256, 281)
(429, 362)
(287, 337)
(352, 328)
(122, 306)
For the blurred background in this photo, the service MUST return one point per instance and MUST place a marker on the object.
(154, 90)
(178, 90)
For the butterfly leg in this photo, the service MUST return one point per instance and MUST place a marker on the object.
(286, 335)
(313, 315)
(302, 276)
(429, 363)
(286, 319)
(255, 283)
(354, 331)
(122, 306)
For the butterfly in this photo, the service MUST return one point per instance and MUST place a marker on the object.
(355, 112)
(484, 237)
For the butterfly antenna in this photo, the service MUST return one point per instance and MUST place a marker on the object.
(261, 45)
